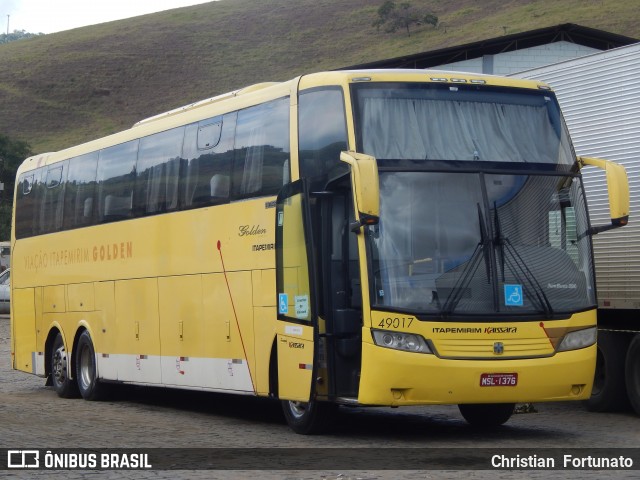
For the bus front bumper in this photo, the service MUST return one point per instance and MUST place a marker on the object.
(394, 378)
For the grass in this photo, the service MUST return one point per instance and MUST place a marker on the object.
(70, 87)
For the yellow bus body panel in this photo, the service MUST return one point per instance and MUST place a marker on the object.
(295, 368)
(164, 297)
(23, 332)
(393, 377)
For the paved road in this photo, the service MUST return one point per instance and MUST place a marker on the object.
(32, 416)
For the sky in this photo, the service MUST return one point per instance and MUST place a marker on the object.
(49, 16)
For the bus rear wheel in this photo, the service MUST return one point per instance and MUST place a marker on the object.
(487, 414)
(632, 373)
(309, 418)
(63, 385)
(86, 371)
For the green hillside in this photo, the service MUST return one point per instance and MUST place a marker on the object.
(61, 89)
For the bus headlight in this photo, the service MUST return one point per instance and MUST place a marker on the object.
(578, 339)
(407, 342)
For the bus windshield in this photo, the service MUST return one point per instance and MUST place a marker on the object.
(481, 244)
(413, 121)
(466, 228)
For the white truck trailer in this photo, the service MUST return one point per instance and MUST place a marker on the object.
(600, 98)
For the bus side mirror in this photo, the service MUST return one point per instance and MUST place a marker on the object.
(618, 189)
(366, 189)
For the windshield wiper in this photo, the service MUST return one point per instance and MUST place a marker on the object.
(519, 264)
(485, 241)
(470, 269)
(509, 259)
(499, 240)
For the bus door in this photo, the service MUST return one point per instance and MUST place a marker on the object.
(340, 318)
(297, 306)
(319, 344)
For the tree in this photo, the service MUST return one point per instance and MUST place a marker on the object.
(17, 35)
(403, 16)
(12, 153)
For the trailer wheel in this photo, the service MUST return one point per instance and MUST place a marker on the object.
(609, 391)
(63, 385)
(487, 414)
(632, 373)
(86, 372)
(309, 418)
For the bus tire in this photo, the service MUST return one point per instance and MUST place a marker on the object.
(609, 392)
(63, 385)
(487, 414)
(89, 385)
(632, 373)
(309, 418)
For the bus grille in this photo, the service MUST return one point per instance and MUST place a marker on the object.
(494, 349)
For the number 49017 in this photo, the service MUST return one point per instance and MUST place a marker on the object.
(395, 322)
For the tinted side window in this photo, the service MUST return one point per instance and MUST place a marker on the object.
(28, 203)
(79, 202)
(261, 164)
(322, 132)
(158, 172)
(52, 199)
(208, 151)
(116, 178)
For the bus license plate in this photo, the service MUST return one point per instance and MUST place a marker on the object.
(498, 379)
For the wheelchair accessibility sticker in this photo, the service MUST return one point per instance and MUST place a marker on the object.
(283, 303)
(513, 296)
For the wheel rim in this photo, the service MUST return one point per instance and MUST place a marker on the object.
(59, 367)
(298, 409)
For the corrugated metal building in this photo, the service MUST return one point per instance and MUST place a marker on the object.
(600, 98)
(509, 54)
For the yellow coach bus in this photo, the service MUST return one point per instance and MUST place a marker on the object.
(379, 238)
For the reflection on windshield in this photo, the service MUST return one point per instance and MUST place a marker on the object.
(473, 243)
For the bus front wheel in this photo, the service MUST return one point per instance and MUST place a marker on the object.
(86, 371)
(309, 418)
(487, 414)
(63, 385)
